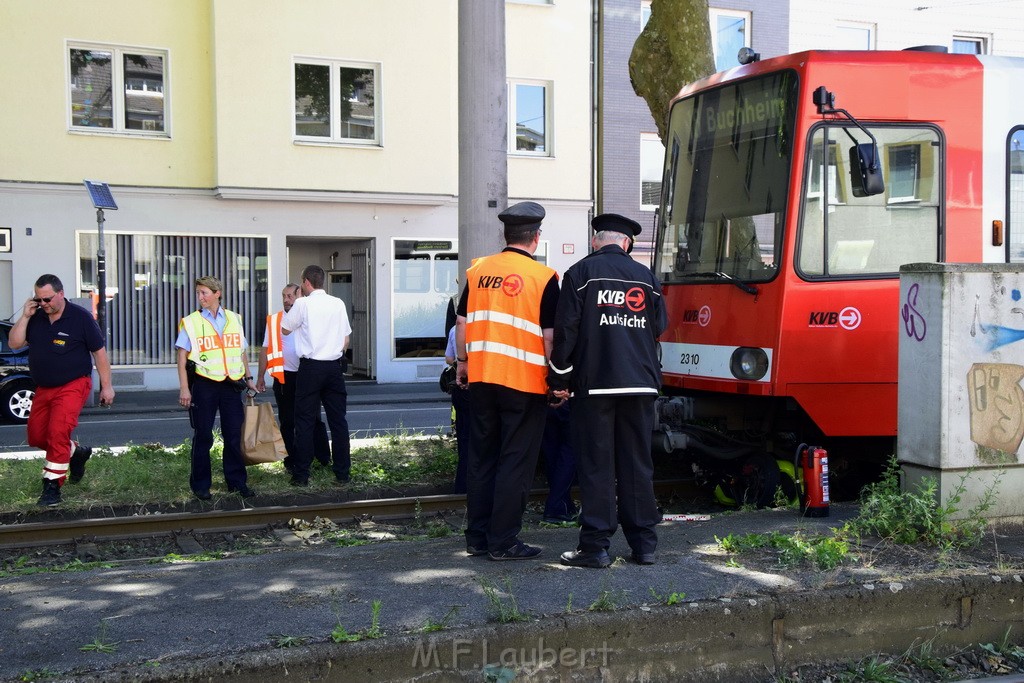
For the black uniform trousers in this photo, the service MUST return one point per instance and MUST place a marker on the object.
(284, 394)
(209, 398)
(321, 382)
(612, 439)
(507, 429)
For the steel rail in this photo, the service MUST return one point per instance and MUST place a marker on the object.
(33, 534)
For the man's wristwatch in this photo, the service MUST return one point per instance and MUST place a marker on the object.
(461, 360)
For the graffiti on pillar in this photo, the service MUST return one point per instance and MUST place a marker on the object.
(913, 322)
(997, 405)
(993, 337)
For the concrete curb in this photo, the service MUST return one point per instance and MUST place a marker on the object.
(749, 638)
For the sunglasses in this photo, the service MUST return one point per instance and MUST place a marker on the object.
(44, 300)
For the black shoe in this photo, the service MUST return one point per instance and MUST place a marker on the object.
(244, 491)
(51, 494)
(78, 458)
(517, 551)
(644, 558)
(202, 495)
(300, 481)
(341, 481)
(580, 558)
(476, 551)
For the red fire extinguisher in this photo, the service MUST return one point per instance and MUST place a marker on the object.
(813, 464)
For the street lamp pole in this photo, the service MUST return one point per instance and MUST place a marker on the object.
(101, 199)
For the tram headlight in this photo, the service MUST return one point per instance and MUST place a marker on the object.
(748, 363)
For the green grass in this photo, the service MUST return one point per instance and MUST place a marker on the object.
(154, 473)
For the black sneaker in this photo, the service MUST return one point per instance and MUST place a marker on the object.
(476, 551)
(78, 458)
(51, 494)
(580, 558)
(202, 495)
(300, 481)
(518, 551)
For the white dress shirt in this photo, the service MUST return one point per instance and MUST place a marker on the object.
(320, 325)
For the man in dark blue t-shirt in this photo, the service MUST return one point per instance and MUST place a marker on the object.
(61, 338)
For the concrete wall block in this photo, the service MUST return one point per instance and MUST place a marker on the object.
(714, 640)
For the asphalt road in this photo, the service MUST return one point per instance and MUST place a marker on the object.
(171, 428)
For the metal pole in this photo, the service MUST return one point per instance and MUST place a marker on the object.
(483, 116)
(101, 278)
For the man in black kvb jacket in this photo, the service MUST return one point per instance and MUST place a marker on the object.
(610, 313)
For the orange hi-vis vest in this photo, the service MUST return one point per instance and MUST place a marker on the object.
(217, 356)
(504, 339)
(275, 347)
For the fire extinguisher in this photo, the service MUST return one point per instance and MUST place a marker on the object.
(813, 464)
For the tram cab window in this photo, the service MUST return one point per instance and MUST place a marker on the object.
(727, 174)
(842, 235)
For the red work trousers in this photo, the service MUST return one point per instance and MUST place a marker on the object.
(53, 418)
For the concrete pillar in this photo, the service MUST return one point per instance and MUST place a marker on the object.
(961, 362)
(483, 130)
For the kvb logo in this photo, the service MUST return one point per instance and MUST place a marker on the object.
(635, 299)
(512, 285)
(610, 297)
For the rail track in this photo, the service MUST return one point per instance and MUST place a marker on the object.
(41, 534)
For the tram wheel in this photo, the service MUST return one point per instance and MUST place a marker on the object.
(755, 481)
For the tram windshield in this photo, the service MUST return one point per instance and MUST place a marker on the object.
(728, 161)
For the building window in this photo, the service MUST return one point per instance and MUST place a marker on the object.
(969, 45)
(645, 13)
(115, 89)
(150, 287)
(652, 160)
(425, 275)
(904, 172)
(854, 36)
(530, 109)
(337, 102)
(730, 30)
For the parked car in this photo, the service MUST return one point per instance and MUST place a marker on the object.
(16, 386)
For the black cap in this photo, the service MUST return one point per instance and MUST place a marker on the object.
(616, 223)
(522, 216)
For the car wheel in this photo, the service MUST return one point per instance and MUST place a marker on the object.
(16, 401)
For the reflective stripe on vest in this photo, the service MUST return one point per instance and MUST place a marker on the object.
(275, 347)
(504, 338)
(217, 356)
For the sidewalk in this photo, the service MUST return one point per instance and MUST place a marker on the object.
(360, 392)
(226, 619)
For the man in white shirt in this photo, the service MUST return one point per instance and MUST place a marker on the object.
(279, 357)
(321, 327)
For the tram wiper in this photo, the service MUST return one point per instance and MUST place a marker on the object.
(749, 289)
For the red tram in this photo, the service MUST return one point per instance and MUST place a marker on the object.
(793, 190)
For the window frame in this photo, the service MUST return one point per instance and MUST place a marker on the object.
(872, 31)
(660, 167)
(981, 41)
(511, 94)
(334, 95)
(748, 20)
(117, 85)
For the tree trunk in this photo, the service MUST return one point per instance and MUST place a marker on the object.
(674, 49)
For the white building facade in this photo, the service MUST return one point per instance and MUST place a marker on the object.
(247, 139)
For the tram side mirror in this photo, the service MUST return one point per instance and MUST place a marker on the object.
(866, 170)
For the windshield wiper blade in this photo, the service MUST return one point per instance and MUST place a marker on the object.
(749, 289)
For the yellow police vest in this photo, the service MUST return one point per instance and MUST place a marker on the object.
(217, 356)
(275, 346)
(504, 339)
